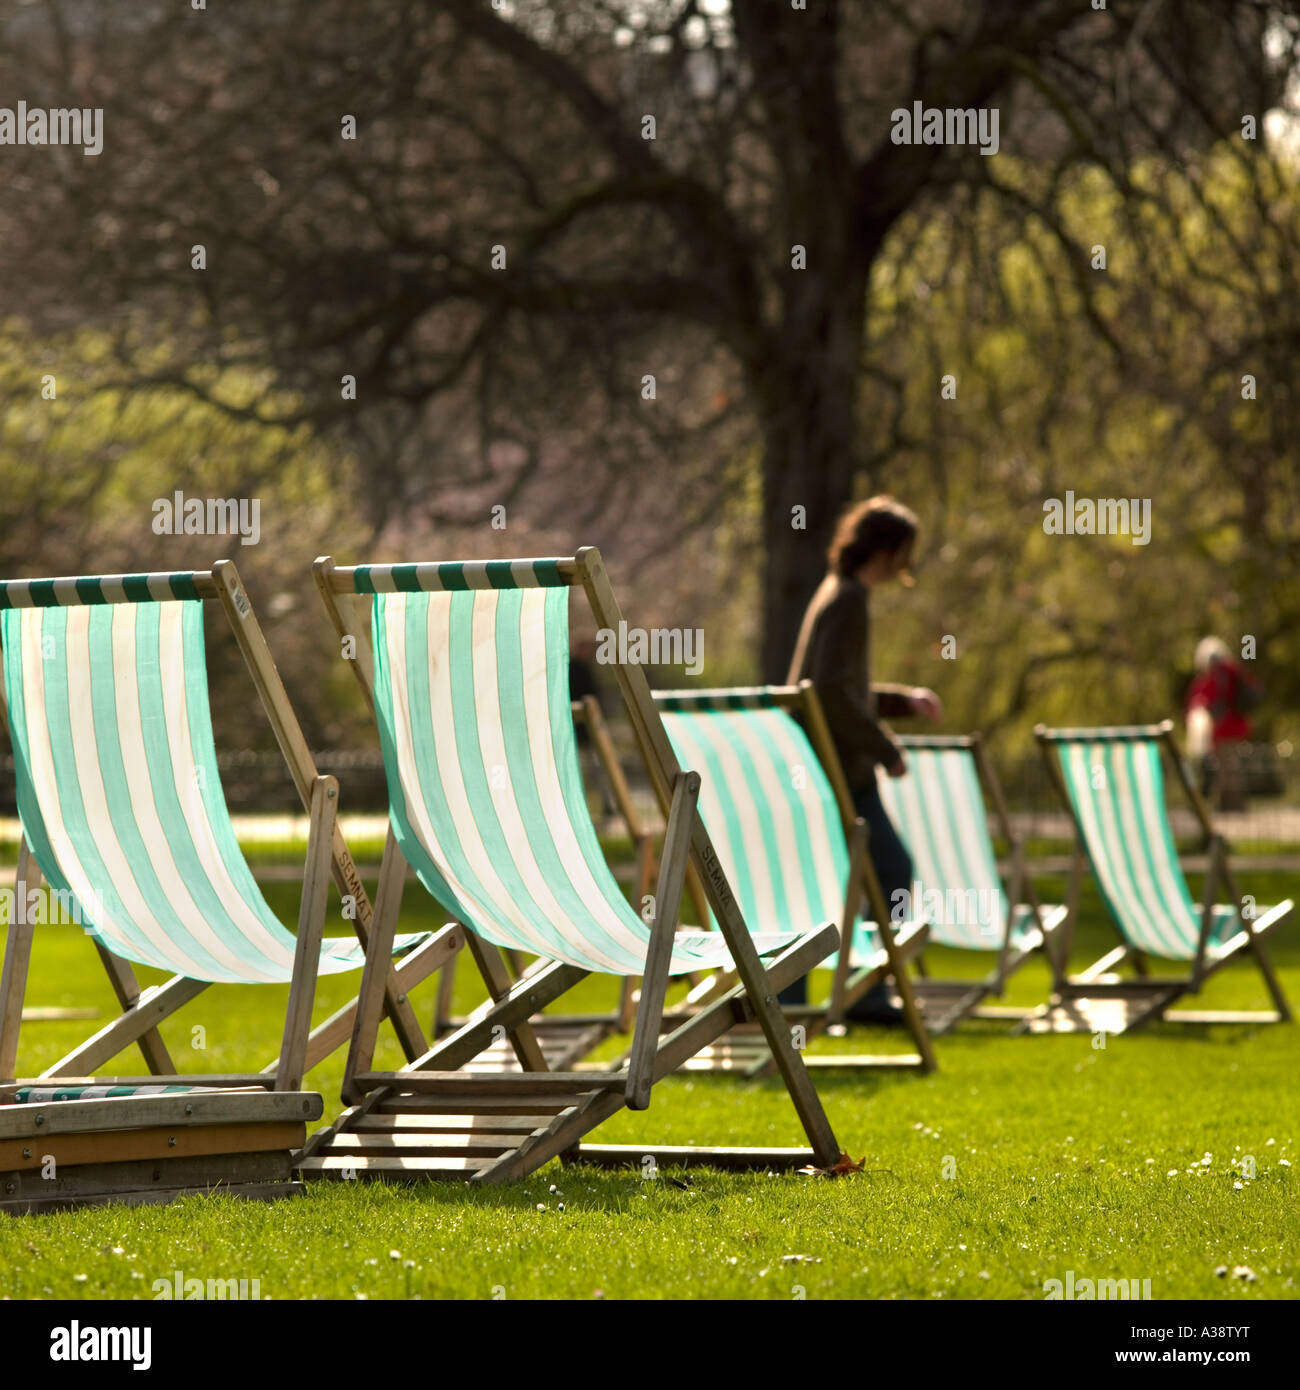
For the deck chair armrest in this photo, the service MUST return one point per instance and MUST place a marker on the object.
(1278, 913)
(1213, 872)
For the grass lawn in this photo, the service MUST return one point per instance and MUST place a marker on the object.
(1020, 1160)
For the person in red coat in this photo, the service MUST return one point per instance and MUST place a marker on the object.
(1218, 700)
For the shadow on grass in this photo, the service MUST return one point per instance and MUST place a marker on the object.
(588, 1187)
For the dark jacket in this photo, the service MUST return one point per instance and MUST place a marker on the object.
(833, 652)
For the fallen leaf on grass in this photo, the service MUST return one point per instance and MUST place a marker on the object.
(842, 1165)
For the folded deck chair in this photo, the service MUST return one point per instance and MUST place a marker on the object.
(123, 816)
(794, 850)
(567, 1039)
(939, 813)
(1112, 782)
(469, 684)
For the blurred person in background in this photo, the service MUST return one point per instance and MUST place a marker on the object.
(1219, 698)
(872, 545)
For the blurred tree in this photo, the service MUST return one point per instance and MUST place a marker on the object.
(463, 237)
(83, 477)
(1193, 415)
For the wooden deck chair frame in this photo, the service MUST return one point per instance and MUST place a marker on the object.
(946, 1003)
(567, 1039)
(245, 1126)
(434, 1119)
(1097, 1000)
(746, 1051)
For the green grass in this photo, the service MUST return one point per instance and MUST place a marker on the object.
(1062, 1156)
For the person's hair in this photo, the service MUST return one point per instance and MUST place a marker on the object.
(1209, 650)
(878, 524)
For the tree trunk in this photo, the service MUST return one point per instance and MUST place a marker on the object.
(806, 397)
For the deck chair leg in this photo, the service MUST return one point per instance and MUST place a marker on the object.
(852, 906)
(628, 990)
(311, 924)
(374, 977)
(1280, 1002)
(446, 990)
(912, 1018)
(18, 955)
(668, 901)
(397, 1007)
(1060, 962)
(1212, 875)
(626, 1004)
(1015, 891)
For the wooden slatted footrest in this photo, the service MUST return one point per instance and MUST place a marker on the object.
(563, 1043)
(1112, 1012)
(347, 1167)
(740, 1049)
(398, 1122)
(450, 1125)
(481, 1105)
(452, 1083)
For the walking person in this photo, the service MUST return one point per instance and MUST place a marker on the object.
(1219, 701)
(872, 545)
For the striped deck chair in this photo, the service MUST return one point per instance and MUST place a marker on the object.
(124, 818)
(566, 1040)
(469, 683)
(939, 812)
(1112, 781)
(794, 851)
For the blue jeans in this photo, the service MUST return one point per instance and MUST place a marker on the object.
(893, 866)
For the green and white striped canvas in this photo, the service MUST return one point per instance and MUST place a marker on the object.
(485, 793)
(118, 790)
(938, 811)
(1118, 793)
(771, 813)
(44, 1095)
